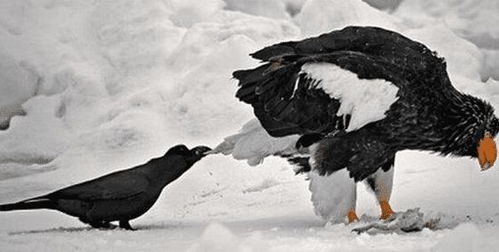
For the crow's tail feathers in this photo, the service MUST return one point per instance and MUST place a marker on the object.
(35, 203)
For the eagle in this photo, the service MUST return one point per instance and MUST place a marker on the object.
(341, 105)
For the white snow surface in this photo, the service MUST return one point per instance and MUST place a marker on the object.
(90, 87)
(365, 100)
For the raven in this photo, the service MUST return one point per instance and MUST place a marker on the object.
(119, 196)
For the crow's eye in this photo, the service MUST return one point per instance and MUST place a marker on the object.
(179, 149)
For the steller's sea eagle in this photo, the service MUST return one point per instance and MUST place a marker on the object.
(352, 99)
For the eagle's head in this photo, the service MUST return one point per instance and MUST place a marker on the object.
(482, 126)
(472, 130)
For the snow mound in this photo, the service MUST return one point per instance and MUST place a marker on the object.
(470, 19)
(18, 83)
(336, 14)
(273, 9)
(265, 184)
(217, 237)
(461, 239)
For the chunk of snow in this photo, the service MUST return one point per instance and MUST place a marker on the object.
(217, 237)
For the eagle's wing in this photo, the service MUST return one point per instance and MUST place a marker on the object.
(291, 95)
(119, 185)
(322, 93)
(373, 41)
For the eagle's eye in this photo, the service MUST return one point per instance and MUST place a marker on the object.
(487, 134)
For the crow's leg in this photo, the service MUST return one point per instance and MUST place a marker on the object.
(100, 224)
(96, 224)
(126, 225)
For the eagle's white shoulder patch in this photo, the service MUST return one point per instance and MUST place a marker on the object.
(366, 100)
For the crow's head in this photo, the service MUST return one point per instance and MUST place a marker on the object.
(191, 156)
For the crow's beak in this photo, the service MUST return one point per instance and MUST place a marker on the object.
(487, 152)
(201, 151)
(211, 152)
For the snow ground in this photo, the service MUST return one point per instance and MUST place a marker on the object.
(97, 86)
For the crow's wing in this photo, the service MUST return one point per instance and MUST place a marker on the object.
(118, 185)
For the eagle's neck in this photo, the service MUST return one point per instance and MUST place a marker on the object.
(462, 121)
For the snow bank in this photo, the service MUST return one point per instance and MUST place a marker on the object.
(473, 20)
(272, 9)
(118, 84)
(320, 16)
(18, 83)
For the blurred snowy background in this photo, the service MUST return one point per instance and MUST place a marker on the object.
(91, 86)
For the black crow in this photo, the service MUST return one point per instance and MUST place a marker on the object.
(119, 196)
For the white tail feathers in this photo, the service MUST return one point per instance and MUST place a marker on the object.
(254, 144)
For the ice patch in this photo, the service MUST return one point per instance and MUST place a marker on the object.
(366, 100)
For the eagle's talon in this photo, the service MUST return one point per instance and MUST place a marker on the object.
(386, 210)
(352, 216)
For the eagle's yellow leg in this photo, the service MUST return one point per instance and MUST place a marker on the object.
(352, 216)
(386, 210)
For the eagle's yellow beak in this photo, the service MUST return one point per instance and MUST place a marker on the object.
(487, 152)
